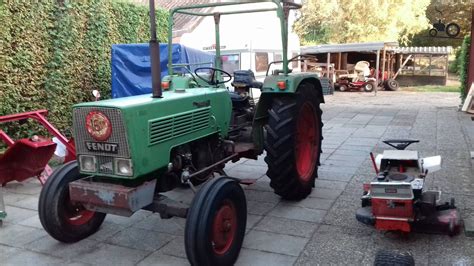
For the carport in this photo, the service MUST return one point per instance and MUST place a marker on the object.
(343, 56)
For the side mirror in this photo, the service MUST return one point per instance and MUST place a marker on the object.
(96, 94)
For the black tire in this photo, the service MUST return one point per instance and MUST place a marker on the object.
(369, 86)
(56, 213)
(343, 88)
(452, 30)
(393, 258)
(284, 167)
(218, 195)
(433, 32)
(392, 85)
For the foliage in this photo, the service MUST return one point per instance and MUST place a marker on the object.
(54, 53)
(454, 66)
(464, 66)
(347, 21)
(455, 11)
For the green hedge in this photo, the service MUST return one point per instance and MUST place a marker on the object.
(464, 66)
(54, 53)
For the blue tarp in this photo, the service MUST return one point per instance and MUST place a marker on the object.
(131, 74)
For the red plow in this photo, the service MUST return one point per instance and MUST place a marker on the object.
(29, 157)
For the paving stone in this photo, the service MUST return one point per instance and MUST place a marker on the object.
(337, 185)
(311, 203)
(158, 258)
(330, 245)
(30, 187)
(325, 193)
(25, 257)
(260, 208)
(286, 226)
(127, 221)
(30, 202)
(106, 231)
(331, 175)
(10, 198)
(106, 254)
(16, 215)
(33, 221)
(173, 226)
(261, 196)
(175, 248)
(298, 213)
(6, 251)
(17, 235)
(140, 239)
(250, 257)
(50, 246)
(272, 242)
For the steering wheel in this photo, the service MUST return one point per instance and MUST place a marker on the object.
(213, 79)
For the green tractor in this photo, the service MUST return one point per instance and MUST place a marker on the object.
(131, 150)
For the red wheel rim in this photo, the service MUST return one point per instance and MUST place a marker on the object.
(307, 139)
(76, 214)
(224, 228)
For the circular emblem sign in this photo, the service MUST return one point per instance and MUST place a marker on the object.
(98, 125)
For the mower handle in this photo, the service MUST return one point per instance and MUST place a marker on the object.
(400, 144)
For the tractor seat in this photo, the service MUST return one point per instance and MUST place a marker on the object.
(25, 159)
(246, 78)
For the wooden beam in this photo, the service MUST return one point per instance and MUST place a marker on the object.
(383, 63)
(377, 65)
(401, 67)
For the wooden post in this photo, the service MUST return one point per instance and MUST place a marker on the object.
(377, 65)
(328, 64)
(383, 63)
(429, 67)
(470, 73)
(414, 64)
(339, 61)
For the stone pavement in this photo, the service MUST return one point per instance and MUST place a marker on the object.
(318, 230)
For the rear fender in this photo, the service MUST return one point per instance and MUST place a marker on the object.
(270, 91)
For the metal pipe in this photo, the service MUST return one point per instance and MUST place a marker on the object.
(217, 64)
(154, 55)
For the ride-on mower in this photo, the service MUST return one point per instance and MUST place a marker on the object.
(130, 150)
(395, 200)
(360, 80)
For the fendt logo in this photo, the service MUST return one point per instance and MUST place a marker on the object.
(102, 147)
(98, 125)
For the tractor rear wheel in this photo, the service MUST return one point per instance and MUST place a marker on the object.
(62, 219)
(293, 143)
(391, 85)
(215, 224)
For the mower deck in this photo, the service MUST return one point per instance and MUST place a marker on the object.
(442, 221)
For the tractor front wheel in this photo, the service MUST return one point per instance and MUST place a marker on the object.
(293, 143)
(215, 224)
(62, 219)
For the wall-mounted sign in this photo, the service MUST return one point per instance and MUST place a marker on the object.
(451, 29)
(212, 47)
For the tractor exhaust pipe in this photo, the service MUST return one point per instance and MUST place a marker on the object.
(154, 55)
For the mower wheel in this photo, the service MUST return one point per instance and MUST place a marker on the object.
(293, 143)
(343, 88)
(391, 85)
(370, 86)
(61, 218)
(393, 258)
(216, 221)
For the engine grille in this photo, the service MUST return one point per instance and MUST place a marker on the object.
(170, 127)
(118, 136)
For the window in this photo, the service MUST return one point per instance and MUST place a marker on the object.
(231, 63)
(261, 62)
(277, 57)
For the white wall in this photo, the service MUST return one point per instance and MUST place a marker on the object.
(242, 31)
